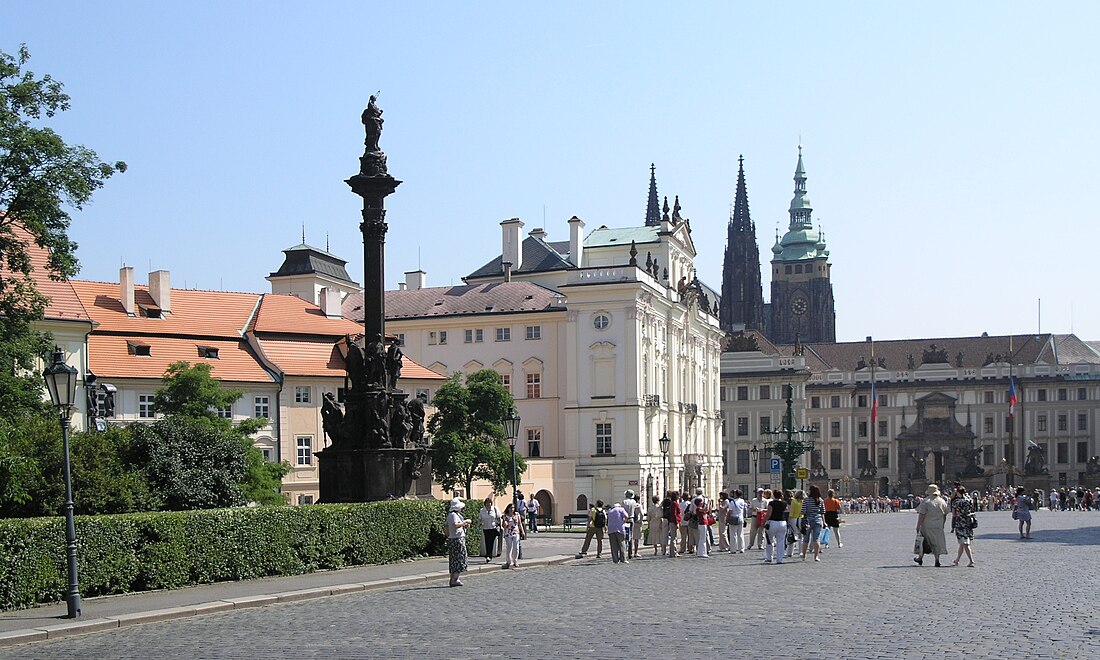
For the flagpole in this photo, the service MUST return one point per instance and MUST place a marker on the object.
(874, 418)
(1010, 477)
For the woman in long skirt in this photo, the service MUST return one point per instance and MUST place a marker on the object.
(456, 542)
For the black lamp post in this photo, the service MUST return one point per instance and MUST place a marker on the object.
(61, 382)
(511, 429)
(755, 453)
(789, 447)
(664, 442)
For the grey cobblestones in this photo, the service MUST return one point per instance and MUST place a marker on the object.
(865, 600)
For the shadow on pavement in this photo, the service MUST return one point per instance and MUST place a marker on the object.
(1079, 536)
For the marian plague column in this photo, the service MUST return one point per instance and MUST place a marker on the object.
(378, 449)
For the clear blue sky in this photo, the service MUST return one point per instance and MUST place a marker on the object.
(949, 146)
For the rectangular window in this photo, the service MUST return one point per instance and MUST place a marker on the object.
(834, 429)
(479, 336)
(262, 407)
(432, 341)
(303, 394)
(266, 453)
(834, 459)
(724, 426)
(763, 465)
(1082, 394)
(1041, 420)
(504, 334)
(442, 337)
(1063, 423)
(834, 401)
(305, 449)
(862, 429)
(1041, 395)
(883, 457)
(1063, 393)
(883, 428)
(742, 392)
(506, 381)
(305, 499)
(987, 425)
(603, 438)
(861, 457)
(815, 402)
(534, 443)
(989, 396)
(721, 394)
(742, 426)
(725, 463)
(468, 337)
(743, 459)
(1082, 421)
(226, 412)
(765, 423)
(145, 406)
(534, 332)
(1063, 452)
(1082, 452)
(765, 392)
(534, 386)
(882, 401)
(861, 401)
(987, 455)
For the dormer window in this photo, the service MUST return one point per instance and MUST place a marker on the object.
(208, 352)
(150, 312)
(137, 348)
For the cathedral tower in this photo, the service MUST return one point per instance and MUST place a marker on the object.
(802, 292)
(742, 294)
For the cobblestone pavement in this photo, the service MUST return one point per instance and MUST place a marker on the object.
(865, 600)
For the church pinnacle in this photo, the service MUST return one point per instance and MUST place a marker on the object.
(742, 301)
(652, 209)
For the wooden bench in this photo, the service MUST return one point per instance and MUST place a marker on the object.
(575, 518)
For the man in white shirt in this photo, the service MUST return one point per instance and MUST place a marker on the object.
(735, 518)
(534, 508)
(630, 505)
(756, 530)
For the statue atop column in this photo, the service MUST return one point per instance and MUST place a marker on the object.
(373, 162)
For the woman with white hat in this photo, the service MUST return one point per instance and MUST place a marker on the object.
(456, 541)
(931, 520)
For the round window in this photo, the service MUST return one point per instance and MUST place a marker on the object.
(601, 322)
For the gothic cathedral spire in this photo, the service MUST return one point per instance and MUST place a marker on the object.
(742, 294)
(652, 209)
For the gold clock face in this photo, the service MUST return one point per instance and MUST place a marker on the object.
(799, 306)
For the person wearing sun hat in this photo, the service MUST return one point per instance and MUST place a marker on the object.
(931, 520)
(456, 541)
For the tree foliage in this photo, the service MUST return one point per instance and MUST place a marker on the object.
(467, 435)
(41, 178)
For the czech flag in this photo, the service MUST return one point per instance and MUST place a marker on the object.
(874, 404)
(1011, 396)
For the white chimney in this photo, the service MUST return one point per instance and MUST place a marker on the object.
(511, 248)
(160, 289)
(330, 303)
(416, 280)
(576, 240)
(126, 289)
(538, 232)
(401, 286)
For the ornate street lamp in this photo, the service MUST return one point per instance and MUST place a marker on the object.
(755, 453)
(664, 442)
(511, 429)
(789, 446)
(61, 382)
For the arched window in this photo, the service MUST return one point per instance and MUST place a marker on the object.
(582, 503)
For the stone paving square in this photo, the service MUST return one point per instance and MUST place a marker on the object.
(1032, 599)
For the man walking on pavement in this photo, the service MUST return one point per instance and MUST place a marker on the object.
(616, 530)
(597, 521)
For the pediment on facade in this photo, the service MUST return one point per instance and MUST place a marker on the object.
(472, 366)
(532, 364)
(503, 365)
(602, 347)
(438, 367)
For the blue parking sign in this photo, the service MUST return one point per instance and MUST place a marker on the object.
(775, 466)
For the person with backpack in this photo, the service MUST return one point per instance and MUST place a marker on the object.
(597, 523)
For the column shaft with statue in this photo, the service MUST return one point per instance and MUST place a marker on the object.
(378, 448)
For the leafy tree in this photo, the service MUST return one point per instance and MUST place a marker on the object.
(40, 177)
(191, 391)
(467, 435)
(107, 477)
(24, 450)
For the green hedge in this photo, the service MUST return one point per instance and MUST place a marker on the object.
(168, 550)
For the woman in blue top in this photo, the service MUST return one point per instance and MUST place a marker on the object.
(813, 509)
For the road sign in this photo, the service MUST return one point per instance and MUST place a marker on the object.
(802, 473)
(775, 466)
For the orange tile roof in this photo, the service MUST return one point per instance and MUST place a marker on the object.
(415, 371)
(194, 312)
(109, 356)
(63, 301)
(304, 357)
(286, 314)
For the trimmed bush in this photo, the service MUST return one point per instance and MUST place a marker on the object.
(168, 550)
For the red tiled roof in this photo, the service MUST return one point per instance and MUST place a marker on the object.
(194, 312)
(110, 356)
(286, 314)
(304, 357)
(63, 302)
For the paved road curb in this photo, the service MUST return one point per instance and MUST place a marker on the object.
(82, 626)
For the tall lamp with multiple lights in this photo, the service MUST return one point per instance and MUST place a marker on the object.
(61, 382)
(789, 445)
